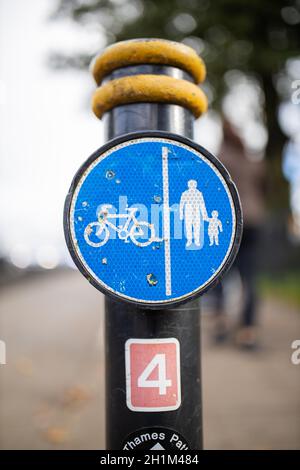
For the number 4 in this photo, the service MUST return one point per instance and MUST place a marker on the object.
(159, 361)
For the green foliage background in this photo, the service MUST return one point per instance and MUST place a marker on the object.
(256, 37)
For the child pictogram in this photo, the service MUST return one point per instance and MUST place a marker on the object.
(214, 227)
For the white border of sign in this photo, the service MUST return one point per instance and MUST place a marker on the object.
(128, 372)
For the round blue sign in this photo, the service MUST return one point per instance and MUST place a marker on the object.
(153, 219)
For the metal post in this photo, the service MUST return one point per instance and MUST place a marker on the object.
(153, 355)
(123, 321)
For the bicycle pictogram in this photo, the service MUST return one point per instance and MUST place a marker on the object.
(132, 229)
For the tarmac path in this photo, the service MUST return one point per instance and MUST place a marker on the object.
(52, 387)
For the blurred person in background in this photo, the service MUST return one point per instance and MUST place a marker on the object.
(247, 171)
(291, 171)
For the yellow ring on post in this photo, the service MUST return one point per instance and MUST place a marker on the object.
(148, 51)
(149, 88)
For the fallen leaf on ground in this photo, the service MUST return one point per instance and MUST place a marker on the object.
(57, 435)
(76, 396)
(24, 366)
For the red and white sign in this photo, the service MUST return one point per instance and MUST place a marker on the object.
(153, 374)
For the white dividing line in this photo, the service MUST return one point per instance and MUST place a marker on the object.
(166, 220)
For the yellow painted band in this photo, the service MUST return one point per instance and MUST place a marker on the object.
(149, 88)
(148, 51)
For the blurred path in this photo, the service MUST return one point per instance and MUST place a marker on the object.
(52, 394)
(252, 400)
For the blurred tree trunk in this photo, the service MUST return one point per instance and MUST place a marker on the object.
(277, 191)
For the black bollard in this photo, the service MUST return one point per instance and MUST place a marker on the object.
(152, 342)
(123, 321)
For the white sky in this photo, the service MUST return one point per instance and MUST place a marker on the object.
(46, 131)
